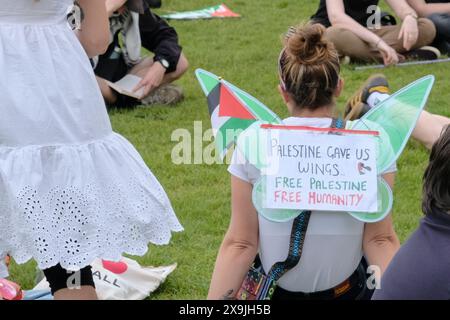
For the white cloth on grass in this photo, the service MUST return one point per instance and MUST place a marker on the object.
(333, 243)
(81, 191)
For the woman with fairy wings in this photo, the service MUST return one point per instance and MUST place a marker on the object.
(337, 248)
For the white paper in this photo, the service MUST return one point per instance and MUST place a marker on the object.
(126, 85)
(317, 171)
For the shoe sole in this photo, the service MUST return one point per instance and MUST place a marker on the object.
(428, 50)
(434, 50)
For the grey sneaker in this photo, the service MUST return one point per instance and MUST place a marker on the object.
(357, 105)
(165, 95)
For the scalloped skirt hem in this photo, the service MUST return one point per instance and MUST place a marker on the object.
(71, 204)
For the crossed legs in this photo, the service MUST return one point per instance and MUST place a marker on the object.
(141, 70)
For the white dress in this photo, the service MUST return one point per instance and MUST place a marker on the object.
(71, 190)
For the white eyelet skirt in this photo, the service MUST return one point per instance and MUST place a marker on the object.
(71, 190)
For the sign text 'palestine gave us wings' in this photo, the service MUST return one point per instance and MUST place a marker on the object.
(310, 170)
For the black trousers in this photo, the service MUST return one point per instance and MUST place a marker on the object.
(442, 23)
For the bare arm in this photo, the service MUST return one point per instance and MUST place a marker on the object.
(94, 33)
(409, 31)
(380, 242)
(401, 8)
(240, 245)
(424, 9)
(338, 18)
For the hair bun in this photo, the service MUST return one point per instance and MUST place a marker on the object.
(307, 45)
(309, 66)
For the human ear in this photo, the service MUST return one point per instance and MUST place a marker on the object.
(284, 94)
(339, 88)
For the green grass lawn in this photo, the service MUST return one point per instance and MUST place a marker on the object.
(243, 51)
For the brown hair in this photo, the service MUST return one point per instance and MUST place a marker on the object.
(436, 180)
(309, 66)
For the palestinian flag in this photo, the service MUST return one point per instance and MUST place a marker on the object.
(219, 11)
(231, 109)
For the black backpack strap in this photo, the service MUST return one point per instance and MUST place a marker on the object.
(298, 232)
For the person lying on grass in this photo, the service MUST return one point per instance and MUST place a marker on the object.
(376, 89)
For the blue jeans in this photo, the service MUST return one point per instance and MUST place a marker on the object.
(442, 23)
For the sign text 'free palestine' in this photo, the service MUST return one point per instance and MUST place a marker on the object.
(310, 170)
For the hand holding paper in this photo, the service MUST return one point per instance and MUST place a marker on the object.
(152, 80)
(126, 86)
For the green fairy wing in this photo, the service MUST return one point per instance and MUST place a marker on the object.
(397, 116)
(231, 109)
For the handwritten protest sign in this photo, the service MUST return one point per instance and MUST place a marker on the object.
(315, 171)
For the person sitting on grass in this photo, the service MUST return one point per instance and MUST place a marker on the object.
(336, 246)
(354, 28)
(420, 269)
(437, 11)
(376, 89)
(140, 27)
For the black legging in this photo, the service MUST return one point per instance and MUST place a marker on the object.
(442, 23)
(59, 278)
